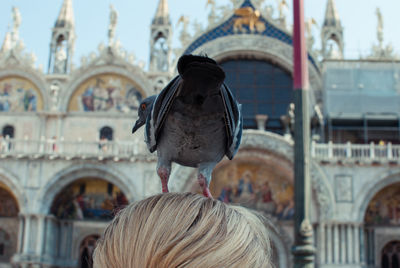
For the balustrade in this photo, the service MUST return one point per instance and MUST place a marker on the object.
(62, 148)
(356, 152)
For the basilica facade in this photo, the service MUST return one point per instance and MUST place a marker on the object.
(68, 160)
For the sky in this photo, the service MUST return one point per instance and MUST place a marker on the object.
(134, 19)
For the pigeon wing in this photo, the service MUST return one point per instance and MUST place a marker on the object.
(160, 110)
(233, 121)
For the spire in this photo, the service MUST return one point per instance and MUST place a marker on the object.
(162, 13)
(332, 33)
(7, 43)
(66, 17)
(62, 40)
(331, 15)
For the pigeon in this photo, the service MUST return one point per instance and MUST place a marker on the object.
(195, 120)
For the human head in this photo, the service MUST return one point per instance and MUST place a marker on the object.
(183, 230)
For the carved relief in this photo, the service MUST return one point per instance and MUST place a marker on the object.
(324, 201)
(344, 188)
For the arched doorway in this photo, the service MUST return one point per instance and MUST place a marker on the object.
(390, 256)
(382, 224)
(8, 224)
(86, 251)
(83, 208)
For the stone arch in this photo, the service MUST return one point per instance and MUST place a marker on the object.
(72, 173)
(131, 72)
(33, 76)
(369, 190)
(263, 48)
(13, 185)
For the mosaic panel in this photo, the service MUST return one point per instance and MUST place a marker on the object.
(106, 92)
(384, 208)
(256, 186)
(88, 199)
(18, 94)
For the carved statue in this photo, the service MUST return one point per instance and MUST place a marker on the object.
(250, 17)
(288, 121)
(159, 56)
(60, 59)
(212, 16)
(310, 38)
(379, 28)
(184, 36)
(282, 7)
(54, 90)
(112, 25)
(16, 23)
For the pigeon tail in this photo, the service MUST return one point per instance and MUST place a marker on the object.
(190, 66)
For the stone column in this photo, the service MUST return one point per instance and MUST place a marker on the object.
(357, 243)
(21, 233)
(336, 243)
(362, 246)
(41, 234)
(322, 243)
(27, 233)
(344, 242)
(350, 243)
(329, 258)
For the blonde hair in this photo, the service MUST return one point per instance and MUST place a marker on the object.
(183, 230)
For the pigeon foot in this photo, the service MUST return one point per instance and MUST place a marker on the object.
(163, 173)
(203, 184)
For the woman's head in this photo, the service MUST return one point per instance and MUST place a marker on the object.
(183, 230)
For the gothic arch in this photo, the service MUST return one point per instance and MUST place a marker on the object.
(34, 77)
(131, 72)
(263, 48)
(12, 182)
(72, 173)
(369, 190)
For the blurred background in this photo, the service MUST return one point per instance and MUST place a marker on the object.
(73, 73)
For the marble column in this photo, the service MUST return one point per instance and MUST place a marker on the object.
(350, 243)
(41, 234)
(343, 242)
(322, 243)
(27, 233)
(20, 233)
(336, 244)
(362, 245)
(357, 243)
(329, 242)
